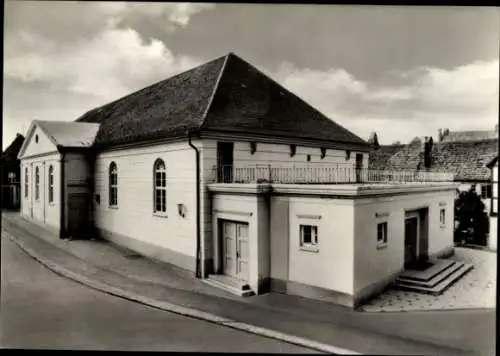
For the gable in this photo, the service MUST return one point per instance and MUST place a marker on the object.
(32, 148)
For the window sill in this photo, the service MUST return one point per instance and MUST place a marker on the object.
(309, 249)
(52, 204)
(115, 207)
(442, 226)
(381, 246)
(160, 215)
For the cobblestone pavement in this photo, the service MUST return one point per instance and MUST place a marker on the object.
(477, 289)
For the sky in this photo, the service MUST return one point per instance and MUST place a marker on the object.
(397, 70)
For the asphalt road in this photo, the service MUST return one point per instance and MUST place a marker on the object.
(42, 310)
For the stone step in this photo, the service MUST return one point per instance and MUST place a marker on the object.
(441, 286)
(229, 284)
(428, 274)
(438, 278)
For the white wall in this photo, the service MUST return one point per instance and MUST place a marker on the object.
(134, 217)
(243, 208)
(493, 236)
(265, 154)
(43, 211)
(332, 266)
(373, 265)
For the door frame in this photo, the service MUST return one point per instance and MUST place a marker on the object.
(221, 248)
(408, 216)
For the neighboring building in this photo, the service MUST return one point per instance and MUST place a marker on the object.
(222, 171)
(11, 174)
(467, 160)
(493, 240)
(445, 135)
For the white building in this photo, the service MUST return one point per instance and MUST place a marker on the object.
(493, 237)
(221, 171)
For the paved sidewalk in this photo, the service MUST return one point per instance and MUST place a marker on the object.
(477, 289)
(107, 266)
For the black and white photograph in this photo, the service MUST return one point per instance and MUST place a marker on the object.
(267, 178)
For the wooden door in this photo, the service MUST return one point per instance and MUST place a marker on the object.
(411, 238)
(78, 213)
(235, 252)
(242, 251)
(229, 248)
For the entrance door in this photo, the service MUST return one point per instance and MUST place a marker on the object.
(225, 162)
(411, 238)
(235, 249)
(78, 214)
(359, 166)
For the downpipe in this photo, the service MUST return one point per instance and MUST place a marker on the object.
(198, 213)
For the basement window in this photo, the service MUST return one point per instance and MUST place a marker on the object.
(382, 234)
(309, 237)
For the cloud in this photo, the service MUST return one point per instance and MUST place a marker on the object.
(98, 60)
(109, 65)
(175, 13)
(425, 98)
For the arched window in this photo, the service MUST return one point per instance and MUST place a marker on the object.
(26, 181)
(113, 184)
(51, 184)
(160, 187)
(37, 183)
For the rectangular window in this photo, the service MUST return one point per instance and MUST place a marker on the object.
(486, 191)
(51, 184)
(382, 234)
(308, 236)
(37, 183)
(442, 217)
(26, 182)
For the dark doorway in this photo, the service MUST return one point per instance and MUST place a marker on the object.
(225, 162)
(411, 238)
(359, 167)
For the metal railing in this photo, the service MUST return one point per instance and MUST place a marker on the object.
(320, 174)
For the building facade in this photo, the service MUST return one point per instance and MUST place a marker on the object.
(223, 172)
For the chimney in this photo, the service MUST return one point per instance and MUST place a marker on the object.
(429, 143)
(373, 140)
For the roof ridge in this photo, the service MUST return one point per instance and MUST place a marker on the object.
(133, 93)
(216, 87)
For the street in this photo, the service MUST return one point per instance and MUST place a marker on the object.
(40, 309)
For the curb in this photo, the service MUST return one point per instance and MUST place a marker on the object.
(180, 310)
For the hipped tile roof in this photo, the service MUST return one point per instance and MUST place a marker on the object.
(226, 94)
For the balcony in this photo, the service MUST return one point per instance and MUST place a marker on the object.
(320, 174)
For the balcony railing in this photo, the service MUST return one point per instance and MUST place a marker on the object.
(320, 174)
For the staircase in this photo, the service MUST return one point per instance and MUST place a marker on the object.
(434, 280)
(229, 284)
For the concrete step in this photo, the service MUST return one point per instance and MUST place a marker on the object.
(229, 284)
(441, 286)
(439, 266)
(437, 278)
